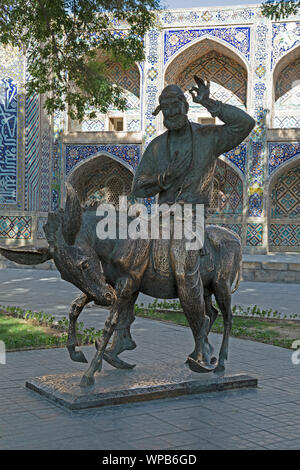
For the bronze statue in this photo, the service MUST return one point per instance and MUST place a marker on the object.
(130, 267)
(178, 166)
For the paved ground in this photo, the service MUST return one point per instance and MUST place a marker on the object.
(44, 290)
(264, 418)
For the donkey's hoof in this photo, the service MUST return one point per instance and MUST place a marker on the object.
(76, 356)
(200, 366)
(116, 362)
(87, 381)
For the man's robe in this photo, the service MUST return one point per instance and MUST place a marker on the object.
(208, 142)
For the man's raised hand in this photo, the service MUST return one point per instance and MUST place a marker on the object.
(200, 93)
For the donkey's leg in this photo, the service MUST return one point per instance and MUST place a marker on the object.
(223, 298)
(186, 270)
(212, 313)
(124, 289)
(122, 339)
(110, 324)
(75, 310)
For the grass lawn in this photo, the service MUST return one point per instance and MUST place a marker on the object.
(21, 334)
(21, 329)
(272, 331)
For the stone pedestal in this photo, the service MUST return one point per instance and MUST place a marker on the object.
(115, 386)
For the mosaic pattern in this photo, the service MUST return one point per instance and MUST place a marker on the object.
(127, 79)
(258, 137)
(285, 197)
(238, 37)
(257, 150)
(106, 186)
(45, 165)
(76, 153)
(280, 152)
(238, 157)
(256, 169)
(92, 125)
(134, 125)
(285, 36)
(255, 205)
(40, 234)
(15, 227)
(56, 173)
(8, 141)
(237, 228)
(152, 85)
(254, 234)
(217, 92)
(32, 153)
(11, 64)
(217, 68)
(287, 95)
(181, 17)
(227, 197)
(57, 156)
(288, 78)
(284, 235)
(285, 122)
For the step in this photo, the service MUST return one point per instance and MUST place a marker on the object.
(271, 270)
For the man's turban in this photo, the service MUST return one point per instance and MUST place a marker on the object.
(171, 91)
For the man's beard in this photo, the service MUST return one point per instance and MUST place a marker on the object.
(176, 122)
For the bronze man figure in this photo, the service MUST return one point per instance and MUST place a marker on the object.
(179, 166)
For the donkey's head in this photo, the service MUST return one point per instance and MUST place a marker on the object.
(73, 254)
(74, 257)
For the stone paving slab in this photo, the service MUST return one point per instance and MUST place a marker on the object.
(144, 383)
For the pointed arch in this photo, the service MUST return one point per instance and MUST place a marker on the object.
(228, 191)
(287, 165)
(217, 61)
(101, 178)
(284, 207)
(286, 90)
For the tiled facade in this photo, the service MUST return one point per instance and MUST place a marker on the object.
(252, 63)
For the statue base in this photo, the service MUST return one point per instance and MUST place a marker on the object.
(116, 386)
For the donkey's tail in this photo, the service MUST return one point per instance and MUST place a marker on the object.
(238, 276)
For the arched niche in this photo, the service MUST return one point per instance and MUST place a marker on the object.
(216, 62)
(286, 91)
(227, 193)
(101, 179)
(284, 208)
(115, 120)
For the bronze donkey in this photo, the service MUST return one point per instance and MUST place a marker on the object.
(129, 267)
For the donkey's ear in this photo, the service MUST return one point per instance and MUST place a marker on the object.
(72, 216)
